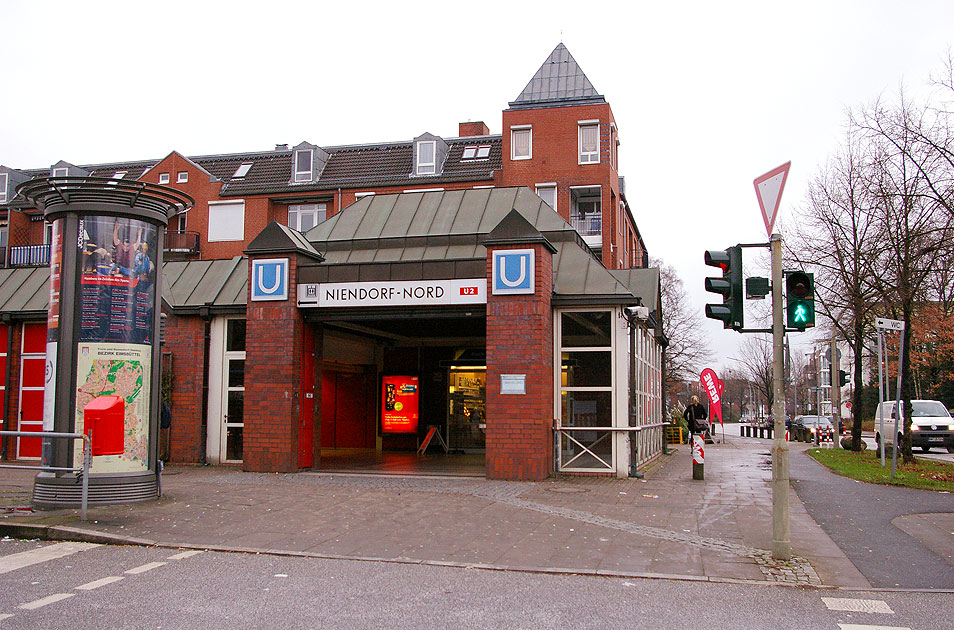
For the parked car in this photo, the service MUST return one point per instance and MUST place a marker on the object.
(931, 425)
(821, 425)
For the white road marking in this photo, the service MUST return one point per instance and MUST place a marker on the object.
(97, 583)
(184, 555)
(149, 566)
(856, 626)
(46, 601)
(42, 554)
(858, 605)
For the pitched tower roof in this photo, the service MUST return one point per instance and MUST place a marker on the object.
(559, 81)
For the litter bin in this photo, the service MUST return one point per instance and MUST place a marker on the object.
(103, 422)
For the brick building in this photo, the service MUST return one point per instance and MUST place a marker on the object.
(276, 384)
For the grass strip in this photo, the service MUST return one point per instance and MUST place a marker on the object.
(924, 474)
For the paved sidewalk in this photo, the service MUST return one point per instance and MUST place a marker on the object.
(664, 525)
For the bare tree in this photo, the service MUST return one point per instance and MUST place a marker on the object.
(756, 358)
(837, 237)
(688, 348)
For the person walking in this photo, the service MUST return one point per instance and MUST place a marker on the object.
(696, 418)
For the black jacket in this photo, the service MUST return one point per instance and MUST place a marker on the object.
(696, 416)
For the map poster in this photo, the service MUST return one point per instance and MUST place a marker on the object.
(118, 280)
(117, 369)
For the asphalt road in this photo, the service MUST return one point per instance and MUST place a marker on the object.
(93, 587)
(857, 516)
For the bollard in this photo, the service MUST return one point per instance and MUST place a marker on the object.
(698, 457)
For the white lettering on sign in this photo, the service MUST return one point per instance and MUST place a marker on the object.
(393, 293)
(711, 388)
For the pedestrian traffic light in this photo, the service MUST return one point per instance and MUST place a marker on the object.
(729, 286)
(842, 378)
(800, 296)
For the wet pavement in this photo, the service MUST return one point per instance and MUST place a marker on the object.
(666, 525)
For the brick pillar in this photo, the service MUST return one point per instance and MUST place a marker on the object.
(520, 341)
(185, 340)
(273, 360)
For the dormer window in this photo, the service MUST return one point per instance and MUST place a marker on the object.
(480, 152)
(303, 164)
(163, 178)
(3, 187)
(242, 171)
(426, 157)
(61, 172)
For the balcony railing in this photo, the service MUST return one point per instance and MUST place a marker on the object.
(181, 242)
(587, 224)
(30, 256)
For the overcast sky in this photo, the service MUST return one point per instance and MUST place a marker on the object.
(707, 95)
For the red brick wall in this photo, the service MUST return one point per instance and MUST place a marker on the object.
(185, 340)
(555, 158)
(520, 341)
(273, 358)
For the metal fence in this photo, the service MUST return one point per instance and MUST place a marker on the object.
(83, 470)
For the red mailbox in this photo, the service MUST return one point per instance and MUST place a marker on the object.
(103, 420)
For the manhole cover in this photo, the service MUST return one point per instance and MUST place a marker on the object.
(568, 490)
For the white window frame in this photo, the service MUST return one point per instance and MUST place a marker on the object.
(519, 129)
(427, 168)
(548, 186)
(304, 176)
(4, 180)
(588, 157)
(318, 210)
(163, 178)
(225, 226)
(61, 172)
(182, 177)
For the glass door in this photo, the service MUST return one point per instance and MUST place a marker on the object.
(233, 392)
(466, 408)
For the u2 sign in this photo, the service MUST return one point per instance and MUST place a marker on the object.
(269, 279)
(513, 272)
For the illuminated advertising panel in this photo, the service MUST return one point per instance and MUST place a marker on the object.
(399, 410)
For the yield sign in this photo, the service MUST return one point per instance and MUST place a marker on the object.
(768, 188)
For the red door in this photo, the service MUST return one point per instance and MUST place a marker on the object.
(32, 372)
(306, 427)
(347, 412)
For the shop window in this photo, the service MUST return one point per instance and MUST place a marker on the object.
(234, 390)
(548, 193)
(589, 140)
(521, 143)
(226, 221)
(586, 390)
(303, 217)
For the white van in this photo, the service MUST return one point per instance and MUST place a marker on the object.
(931, 424)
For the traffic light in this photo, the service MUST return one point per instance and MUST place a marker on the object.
(842, 378)
(729, 286)
(800, 296)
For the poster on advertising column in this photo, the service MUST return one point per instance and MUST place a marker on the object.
(399, 413)
(117, 322)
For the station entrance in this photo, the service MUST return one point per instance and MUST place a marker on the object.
(371, 365)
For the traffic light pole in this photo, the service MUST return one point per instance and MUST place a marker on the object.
(781, 539)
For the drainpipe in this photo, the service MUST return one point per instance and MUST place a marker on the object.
(205, 314)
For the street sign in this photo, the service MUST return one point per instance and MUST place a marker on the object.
(889, 324)
(768, 188)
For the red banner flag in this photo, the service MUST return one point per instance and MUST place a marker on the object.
(713, 387)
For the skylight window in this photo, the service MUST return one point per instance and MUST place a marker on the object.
(481, 152)
(242, 171)
(117, 175)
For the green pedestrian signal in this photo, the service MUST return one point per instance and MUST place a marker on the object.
(729, 286)
(800, 300)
